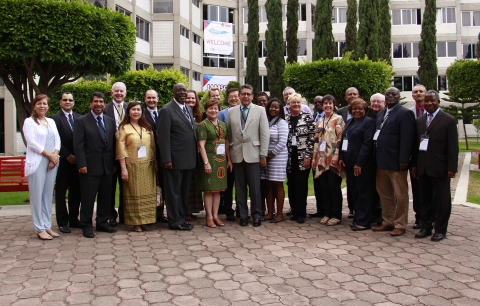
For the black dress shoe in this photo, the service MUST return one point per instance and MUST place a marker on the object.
(88, 232)
(64, 229)
(351, 215)
(257, 222)
(423, 233)
(289, 212)
(181, 227)
(230, 217)
(188, 224)
(356, 228)
(315, 215)
(243, 222)
(293, 218)
(262, 218)
(162, 219)
(112, 223)
(300, 220)
(438, 237)
(106, 229)
(417, 225)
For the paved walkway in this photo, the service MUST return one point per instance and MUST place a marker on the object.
(275, 264)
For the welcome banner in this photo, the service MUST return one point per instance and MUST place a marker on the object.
(217, 37)
(218, 81)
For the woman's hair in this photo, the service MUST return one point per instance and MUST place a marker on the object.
(294, 97)
(211, 103)
(197, 112)
(282, 112)
(329, 98)
(141, 122)
(355, 102)
(37, 99)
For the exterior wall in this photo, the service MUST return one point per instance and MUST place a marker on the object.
(185, 9)
(163, 38)
(144, 5)
(142, 46)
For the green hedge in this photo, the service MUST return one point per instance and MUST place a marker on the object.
(464, 81)
(334, 76)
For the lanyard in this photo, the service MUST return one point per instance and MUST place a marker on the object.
(216, 127)
(141, 131)
(325, 125)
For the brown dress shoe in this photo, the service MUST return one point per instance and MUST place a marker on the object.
(383, 228)
(397, 232)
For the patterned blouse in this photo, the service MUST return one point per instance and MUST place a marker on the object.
(305, 133)
(328, 131)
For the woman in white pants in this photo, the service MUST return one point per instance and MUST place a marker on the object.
(43, 146)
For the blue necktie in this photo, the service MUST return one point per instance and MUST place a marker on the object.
(70, 119)
(101, 128)
(155, 116)
(185, 111)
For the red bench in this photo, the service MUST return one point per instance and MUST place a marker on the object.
(12, 174)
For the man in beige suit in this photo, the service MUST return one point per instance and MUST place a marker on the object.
(249, 136)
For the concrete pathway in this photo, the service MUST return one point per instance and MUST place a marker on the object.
(275, 264)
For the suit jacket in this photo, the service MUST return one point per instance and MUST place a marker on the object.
(89, 147)
(395, 141)
(253, 141)
(110, 111)
(344, 113)
(177, 140)
(154, 126)
(442, 151)
(360, 143)
(66, 135)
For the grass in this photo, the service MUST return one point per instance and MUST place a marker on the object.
(472, 146)
(473, 190)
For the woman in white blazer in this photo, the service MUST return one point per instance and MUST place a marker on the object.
(41, 165)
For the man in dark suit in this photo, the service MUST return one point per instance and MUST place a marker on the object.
(67, 175)
(435, 161)
(116, 110)
(151, 114)
(94, 145)
(394, 140)
(178, 155)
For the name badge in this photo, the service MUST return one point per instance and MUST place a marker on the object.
(376, 135)
(345, 145)
(142, 151)
(220, 149)
(294, 141)
(323, 146)
(423, 143)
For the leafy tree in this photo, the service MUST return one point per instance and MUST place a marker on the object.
(463, 83)
(334, 76)
(253, 76)
(275, 62)
(367, 43)
(476, 126)
(427, 57)
(292, 30)
(384, 31)
(477, 47)
(48, 43)
(324, 46)
(351, 27)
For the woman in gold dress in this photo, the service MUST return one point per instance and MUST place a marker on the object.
(136, 154)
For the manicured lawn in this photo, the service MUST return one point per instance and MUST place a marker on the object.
(473, 190)
(472, 146)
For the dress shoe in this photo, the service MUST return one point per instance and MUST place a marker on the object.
(423, 233)
(351, 215)
(383, 228)
(162, 219)
(417, 225)
(300, 220)
(218, 222)
(189, 218)
(262, 218)
(112, 223)
(289, 212)
(315, 215)
(75, 224)
(188, 224)
(88, 232)
(293, 218)
(397, 232)
(64, 229)
(106, 229)
(257, 222)
(243, 222)
(210, 223)
(181, 227)
(357, 228)
(438, 237)
(230, 217)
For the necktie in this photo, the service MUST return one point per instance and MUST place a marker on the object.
(185, 111)
(120, 112)
(72, 123)
(430, 118)
(101, 128)
(155, 116)
(419, 112)
(244, 116)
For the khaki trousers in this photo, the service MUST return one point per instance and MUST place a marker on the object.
(392, 187)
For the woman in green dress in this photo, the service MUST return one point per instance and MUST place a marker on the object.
(213, 146)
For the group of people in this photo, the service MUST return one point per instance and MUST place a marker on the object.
(168, 157)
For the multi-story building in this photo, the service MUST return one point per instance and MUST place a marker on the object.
(170, 34)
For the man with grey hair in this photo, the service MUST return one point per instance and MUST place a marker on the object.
(377, 103)
(286, 93)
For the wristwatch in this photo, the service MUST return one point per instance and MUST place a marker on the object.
(206, 163)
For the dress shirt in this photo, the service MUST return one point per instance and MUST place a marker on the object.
(66, 116)
(434, 114)
(223, 115)
(152, 114)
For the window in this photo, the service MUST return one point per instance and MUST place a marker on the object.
(469, 51)
(220, 14)
(143, 28)
(339, 46)
(141, 66)
(221, 61)
(196, 38)
(442, 82)
(197, 76)
(446, 15)
(339, 15)
(262, 49)
(446, 49)
(302, 12)
(405, 17)
(263, 14)
(245, 15)
(185, 71)
(302, 47)
(405, 83)
(196, 3)
(160, 67)
(471, 18)
(123, 11)
(264, 83)
(98, 3)
(405, 50)
(184, 32)
(284, 13)
(163, 6)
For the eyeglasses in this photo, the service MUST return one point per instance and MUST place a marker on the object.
(69, 100)
(245, 94)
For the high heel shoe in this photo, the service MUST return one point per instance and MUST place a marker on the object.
(218, 222)
(211, 223)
